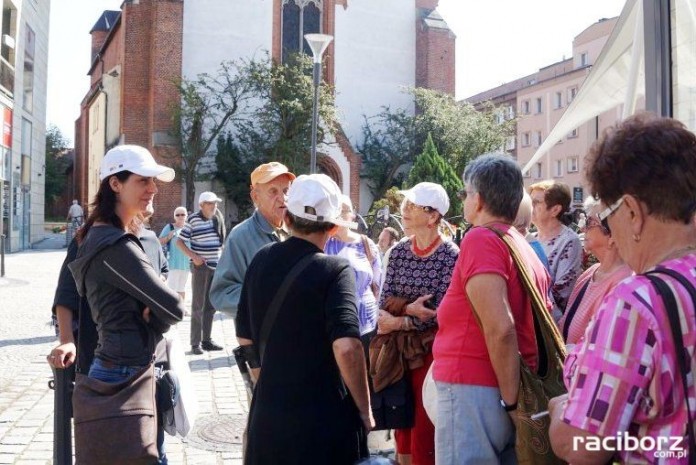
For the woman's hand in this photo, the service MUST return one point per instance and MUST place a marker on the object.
(387, 323)
(418, 309)
(63, 355)
(368, 420)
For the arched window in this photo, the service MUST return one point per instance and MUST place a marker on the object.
(300, 17)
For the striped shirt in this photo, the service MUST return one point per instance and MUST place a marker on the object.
(203, 238)
(624, 376)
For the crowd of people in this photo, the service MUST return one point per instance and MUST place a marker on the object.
(329, 320)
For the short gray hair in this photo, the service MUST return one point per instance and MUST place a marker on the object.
(498, 180)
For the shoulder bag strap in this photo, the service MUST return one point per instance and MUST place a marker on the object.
(574, 308)
(278, 299)
(544, 326)
(673, 314)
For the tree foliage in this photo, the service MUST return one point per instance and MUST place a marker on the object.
(236, 168)
(278, 127)
(207, 106)
(56, 165)
(393, 138)
(431, 167)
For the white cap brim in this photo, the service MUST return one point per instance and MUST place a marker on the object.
(336, 221)
(161, 172)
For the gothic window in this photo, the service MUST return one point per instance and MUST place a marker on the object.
(299, 17)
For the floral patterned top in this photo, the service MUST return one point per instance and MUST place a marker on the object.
(410, 276)
(564, 253)
(623, 377)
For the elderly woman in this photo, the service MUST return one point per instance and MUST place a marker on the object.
(363, 255)
(597, 281)
(522, 223)
(418, 275)
(486, 322)
(550, 202)
(624, 379)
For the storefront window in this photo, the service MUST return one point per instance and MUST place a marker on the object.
(683, 37)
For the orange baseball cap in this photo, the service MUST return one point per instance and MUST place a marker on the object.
(268, 172)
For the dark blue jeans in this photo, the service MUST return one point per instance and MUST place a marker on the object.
(116, 374)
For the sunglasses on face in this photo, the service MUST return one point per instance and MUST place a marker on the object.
(407, 205)
(594, 222)
(607, 212)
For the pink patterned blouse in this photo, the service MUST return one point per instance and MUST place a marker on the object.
(591, 300)
(623, 377)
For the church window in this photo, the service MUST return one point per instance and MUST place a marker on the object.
(299, 17)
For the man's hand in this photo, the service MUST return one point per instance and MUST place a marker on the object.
(63, 355)
(418, 309)
(197, 260)
(146, 314)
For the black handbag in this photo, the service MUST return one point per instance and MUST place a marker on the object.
(394, 406)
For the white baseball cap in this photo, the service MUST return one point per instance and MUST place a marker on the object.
(208, 197)
(428, 194)
(316, 197)
(135, 159)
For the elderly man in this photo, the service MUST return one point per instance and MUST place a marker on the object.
(205, 233)
(269, 188)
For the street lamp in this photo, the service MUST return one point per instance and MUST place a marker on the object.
(318, 43)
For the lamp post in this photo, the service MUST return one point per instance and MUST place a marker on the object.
(318, 44)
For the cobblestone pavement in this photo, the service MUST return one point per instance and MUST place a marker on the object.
(26, 402)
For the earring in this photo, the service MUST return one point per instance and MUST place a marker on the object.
(636, 237)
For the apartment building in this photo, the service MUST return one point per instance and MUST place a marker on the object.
(540, 99)
(23, 78)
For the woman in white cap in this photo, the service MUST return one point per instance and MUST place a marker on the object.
(131, 306)
(415, 282)
(311, 405)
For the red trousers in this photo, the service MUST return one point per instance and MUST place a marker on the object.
(418, 441)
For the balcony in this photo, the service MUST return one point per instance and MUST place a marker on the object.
(7, 77)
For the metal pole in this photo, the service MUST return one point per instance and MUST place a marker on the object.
(315, 117)
(2, 254)
(62, 404)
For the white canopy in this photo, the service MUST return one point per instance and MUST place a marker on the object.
(617, 77)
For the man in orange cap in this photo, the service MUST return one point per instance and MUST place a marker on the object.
(269, 187)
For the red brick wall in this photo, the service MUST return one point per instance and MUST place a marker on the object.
(435, 54)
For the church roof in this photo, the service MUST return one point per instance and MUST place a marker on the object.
(434, 20)
(106, 21)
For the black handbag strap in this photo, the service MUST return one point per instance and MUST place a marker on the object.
(278, 299)
(570, 314)
(673, 314)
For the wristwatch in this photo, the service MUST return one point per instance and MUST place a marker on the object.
(508, 408)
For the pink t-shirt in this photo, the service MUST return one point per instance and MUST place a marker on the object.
(591, 299)
(623, 377)
(460, 351)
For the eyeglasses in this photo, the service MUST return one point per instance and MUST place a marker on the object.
(463, 193)
(594, 222)
(607, 212)
(407, 205)
(180, 214)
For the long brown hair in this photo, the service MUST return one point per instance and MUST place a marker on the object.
(103, 208)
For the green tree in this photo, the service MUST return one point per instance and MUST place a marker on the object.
(230, 161)
(56, 165)
(431, 167)
(393, 138)
(278, 127)
(206, 108)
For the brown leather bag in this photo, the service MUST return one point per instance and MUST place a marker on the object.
(115, 423)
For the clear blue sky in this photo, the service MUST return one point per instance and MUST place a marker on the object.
(497, 41)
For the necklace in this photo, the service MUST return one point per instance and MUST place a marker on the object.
(678, 253)
(427, 250)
